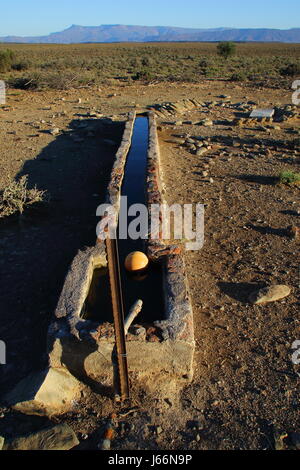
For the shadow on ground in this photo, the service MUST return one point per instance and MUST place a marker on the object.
(280, 232)
(258, 179)
(35, 255)
(239, 290)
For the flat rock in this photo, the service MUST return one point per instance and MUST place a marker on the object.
(269, 294)
(201, 151)
(206, 122)
(177, 140)
(262, 113)
(60, 437)
(47, 392)
(54, 131)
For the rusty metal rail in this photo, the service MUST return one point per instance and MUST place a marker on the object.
(122, 380)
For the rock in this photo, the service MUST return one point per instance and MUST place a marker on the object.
(1, 442)
(177, 140)
(60, 437)
(201, 151)
(269, 294)
(54, 131)
(46, 392)
(105, 444)
(294, 232)
(139, 330)
(159, 430)
(206, 122)
(279, 439)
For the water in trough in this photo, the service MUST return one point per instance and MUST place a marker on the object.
(147, 286)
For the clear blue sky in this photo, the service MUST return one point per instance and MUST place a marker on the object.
(37, 17)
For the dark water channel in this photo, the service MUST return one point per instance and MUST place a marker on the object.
(148, 285)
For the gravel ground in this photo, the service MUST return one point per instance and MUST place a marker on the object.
(245, 389)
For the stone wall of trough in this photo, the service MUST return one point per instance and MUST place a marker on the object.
(85, 347)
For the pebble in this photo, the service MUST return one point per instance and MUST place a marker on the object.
(201, 151)
(207, 122)
(54, 131)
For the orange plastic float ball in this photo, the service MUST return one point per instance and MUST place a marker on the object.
(136, 261)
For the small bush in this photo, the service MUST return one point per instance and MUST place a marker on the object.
(16, 197)
(53, 81)
(290, 71)
(144, 74)
(59, 81)
(6, 59)
(146, 62)
(24, 83)
(238, 77)
(226, 49)
(289, 177)
(203, 63)
(19, 66)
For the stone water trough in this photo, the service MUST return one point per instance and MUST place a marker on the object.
(163, 345)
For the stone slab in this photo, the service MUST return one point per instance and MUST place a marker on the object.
(262, 113)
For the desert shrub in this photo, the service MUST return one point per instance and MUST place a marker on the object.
(94, 63)
(146, 62)
(53, 81)
(203, 63)
(59, 81)
(289, 177)
(290, 70)
(238, 77)
(16, 197)
(226, 49)
(25, 83)
(211, 71)
(6, 59)
(145, 74)
(19, 66)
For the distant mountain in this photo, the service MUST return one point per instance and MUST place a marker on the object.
(122, 33)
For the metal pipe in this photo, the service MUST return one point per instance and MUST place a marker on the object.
(133, 313)
(122, 384)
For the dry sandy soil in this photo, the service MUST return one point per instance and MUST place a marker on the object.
(245, 388)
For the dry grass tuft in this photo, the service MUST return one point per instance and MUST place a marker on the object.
(16, 197)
